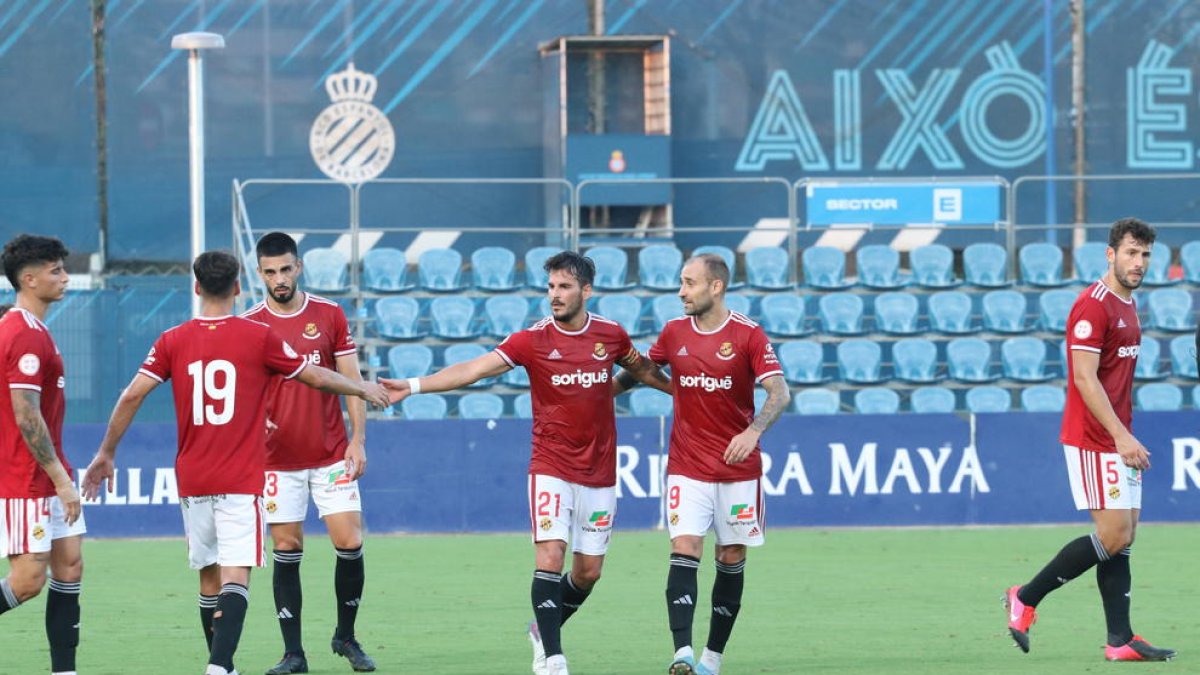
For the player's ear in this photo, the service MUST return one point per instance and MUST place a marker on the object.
(237, 287)
(196, 288)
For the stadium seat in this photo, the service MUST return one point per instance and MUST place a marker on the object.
(818, 401)
(517, 377)
(1183, 356)
(440, 269)
(1158, 272)
(1055, 306)
(465, 352)
(876, 401)
(950, 313)
(727, 255)
(1171, 310)
(915, 360)
(841, 314)
(932, 400)
(1147, 360)
(1043, 398)
(409, 361)
(879, 267)
(824, 268)
(802, 361)
(896, 313)
(664, 308)
(1159, 396)
(625, 309)
(736, 302)
(933, 266)
(1189, 257)
(453, 316)
(760, 397)
(1041, 265)
(647, 402)
(396, 318)
(494, 268)
(612, 268)
(970, 360)
(523, 405)
(1091, 261)
(1024, 359)
(505, 314)
(783, 315)
(543, 307)
(986, 265)
(767, 268)
(326, 271)
(859, 361)
(385, 270)
(988, 399)
(658, 267)
(535, 260)
(480, 406)
(424, 407)
(1196, 397)
(1004, 311)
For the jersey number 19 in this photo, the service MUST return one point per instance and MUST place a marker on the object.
(204, 386)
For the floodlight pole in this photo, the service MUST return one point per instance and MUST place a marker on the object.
(195, 43)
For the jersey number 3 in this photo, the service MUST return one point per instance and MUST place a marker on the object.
(204, 388)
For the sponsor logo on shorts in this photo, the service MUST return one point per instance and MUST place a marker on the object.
(742, 511)
(339, 477)
(674, 518)
(599, 521)
(38, 532)
(1114, 492)
(753, 533)
(546, 524)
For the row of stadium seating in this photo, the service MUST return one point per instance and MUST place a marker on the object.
(495, 268)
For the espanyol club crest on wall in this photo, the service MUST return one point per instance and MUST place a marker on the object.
(351, 141)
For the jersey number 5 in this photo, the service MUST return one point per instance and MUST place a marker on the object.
(204, 387)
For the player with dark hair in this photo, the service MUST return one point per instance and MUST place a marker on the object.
(573, 468)
(309, 455)
(221, 368)
(1104, 459)
(43, 523)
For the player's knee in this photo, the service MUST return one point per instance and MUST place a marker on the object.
(731, 555)
(287, 542)
(1116, 541)
(26, 585)
(69, 572)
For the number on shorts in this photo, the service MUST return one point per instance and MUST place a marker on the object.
(46, 507)
(1110, 471)
(272, 484)
(204, 385)
(543, 504)
(673, 497)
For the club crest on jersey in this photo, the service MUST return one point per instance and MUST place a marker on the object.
(599, 352)
(726, 351)
(311, 332)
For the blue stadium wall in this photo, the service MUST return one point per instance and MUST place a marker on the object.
(793, 89)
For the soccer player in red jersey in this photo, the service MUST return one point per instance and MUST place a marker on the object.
(1104, 459)
(714, 465)
(43, 523)
(309, 455)
(573, 468)
(221, 367)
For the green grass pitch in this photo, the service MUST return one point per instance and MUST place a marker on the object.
(817, 601)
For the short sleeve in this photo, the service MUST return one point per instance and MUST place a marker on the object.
(1086, 326)
(626, 353)
(25, 360)
(157, 364)
(762, 356)
(344, 344)
(658, 350)
(279, 356)
(517, 349)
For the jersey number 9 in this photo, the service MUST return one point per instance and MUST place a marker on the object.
(204, 387)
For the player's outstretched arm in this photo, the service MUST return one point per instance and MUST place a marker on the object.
(27, 408)
(356, 410)
(1084, 367)
(638, 368)
(101, 468)
(449, 378)
(332, 382)
(778, 396)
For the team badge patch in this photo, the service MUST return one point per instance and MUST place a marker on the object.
(1114, 492)
(271, 506)
(726, 351)
(311, 332)
(38, 532)
(598, 351)
(546, 524)
(1083, 329)
(29, 364)
(674, 518)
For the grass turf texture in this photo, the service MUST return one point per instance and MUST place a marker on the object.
(820, 601)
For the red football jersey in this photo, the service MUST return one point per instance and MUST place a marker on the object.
(1101, 322)
(310, 432)
(574, 426)
(221, 368)
(714, 375)
(31, 362)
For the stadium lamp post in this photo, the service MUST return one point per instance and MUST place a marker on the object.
(195, 43)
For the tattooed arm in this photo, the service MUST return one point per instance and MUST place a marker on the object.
(27, 408)
(778, 396)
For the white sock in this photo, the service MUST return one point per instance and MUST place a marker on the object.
(684, 653)
(65, 672)
(711, 660)
(556, 660)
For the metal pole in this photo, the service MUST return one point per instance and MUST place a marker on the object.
(1079, 104)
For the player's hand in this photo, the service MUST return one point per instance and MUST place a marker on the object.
(375, 394)
(98, 471)
(1132, 452)
(70, 501)
(356, 460)
(741, 446)
(397, 389)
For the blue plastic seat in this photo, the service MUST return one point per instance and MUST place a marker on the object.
(933, 266)
(1091, 261)
(1043, 398)
(453, 316)
(440, 269)
(409, 361)
(480, 406)
(1159, 269)
(760, 397)
(535, 261)
(818, 401)
(767, 268)
(896, 313)
(783, 315)
(612, 268)
(1189, 257)
(1148, 358)
(523, 405)
(1004, 311)
(1159, 396)
(1055, 305)
(424, 407)
(385, 270)
(970, 360)
(647, 402)
(1171, 309)
(860, 361)
(396, 318)
(494, 268)
(505, 314)
(876, 401)
(727, 255)
(915, 360)
(658, 267)
(625, 309)
(988, 399)
(664, 308)
(736, 302)
(517, 377)
(932, 400)
(802, 361)
(879, 267)
(1024, 359)
(824, 268)
(950, 313)
(1041, 264)
(326, 270)
(841, 314)
(1183, 356)
(465, 352)
(986, 265)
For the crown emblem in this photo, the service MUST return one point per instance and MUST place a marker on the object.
(351, 84)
